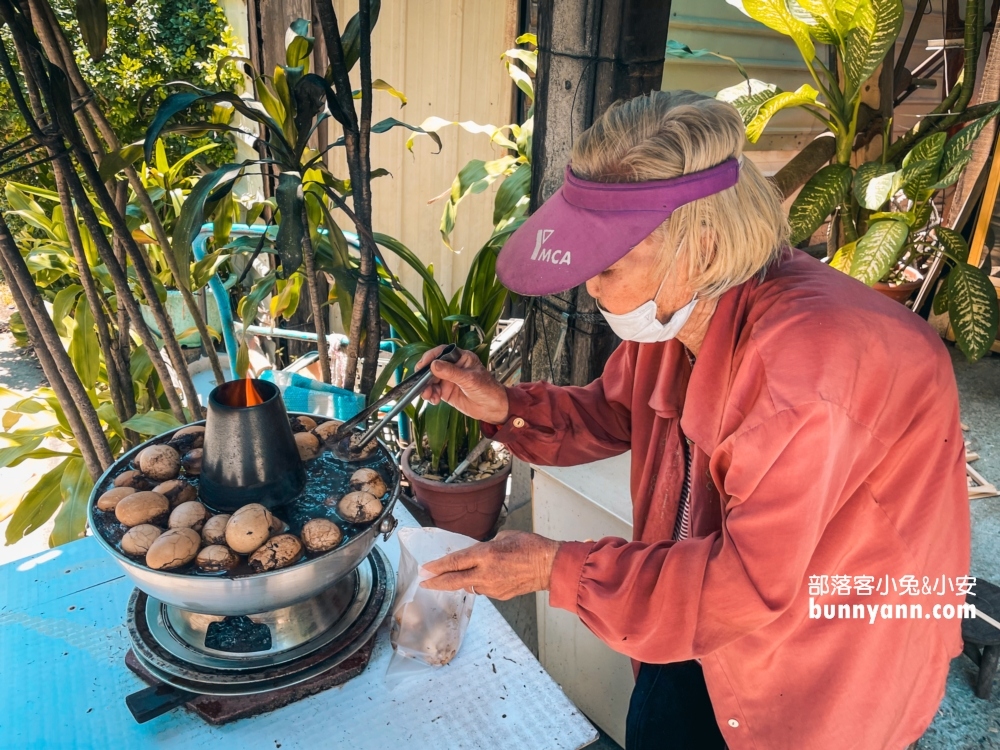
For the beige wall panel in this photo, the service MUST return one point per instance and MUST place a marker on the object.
(445, 56)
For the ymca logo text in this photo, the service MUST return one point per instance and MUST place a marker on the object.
(547, 254)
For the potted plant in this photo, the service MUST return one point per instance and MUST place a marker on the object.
(884, 223)
(442, 436)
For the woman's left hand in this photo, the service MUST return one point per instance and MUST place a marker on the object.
(514, 563)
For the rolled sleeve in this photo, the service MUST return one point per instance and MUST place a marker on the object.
(567, 572)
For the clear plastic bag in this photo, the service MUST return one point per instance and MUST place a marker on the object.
(427, 626)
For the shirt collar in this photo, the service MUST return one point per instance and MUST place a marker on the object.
(709, 382)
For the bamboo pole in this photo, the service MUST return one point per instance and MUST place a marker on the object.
(64, 53)
(309, 261)
(116, 386)
(365, 319)
(58, 369)
(52, 139)
(982, 225)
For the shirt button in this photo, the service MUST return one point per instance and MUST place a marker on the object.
(518, 422)
(733, 723)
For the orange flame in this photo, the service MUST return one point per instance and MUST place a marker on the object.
(252, 396)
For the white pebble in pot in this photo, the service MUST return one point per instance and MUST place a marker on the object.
(308, 445)
(277, 526)
(187, 438)
(248, 528)
(173, 548)
(327, 430)
(159, 462)
(192, 462)
(216, 558)
(189, 515)
(177, 491)
(359, 507)
(112, 497)
(302, 424)
(134, 479)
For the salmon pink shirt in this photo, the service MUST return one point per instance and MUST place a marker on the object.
(828, 469)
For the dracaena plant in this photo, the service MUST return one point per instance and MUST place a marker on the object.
(287, 111)
(469, 319)
(883, 211)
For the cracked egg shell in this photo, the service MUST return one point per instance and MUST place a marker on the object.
(138, 539)
(352, 446)
(187, 438)
(321, 535)
(112, 497)
(368, 480)
(277, 552)
(159, 462)
(214, 530)
(277, 526)
(177, 491)
(142, 507)
(302, 424)
(215, 558)
(359, 507)
(308, 445)
(192, 462)
(189, 515)
(173, 549)
(327, 430)
(248, 528)
(134, 479)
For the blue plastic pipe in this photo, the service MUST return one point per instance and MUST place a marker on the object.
(219, 291)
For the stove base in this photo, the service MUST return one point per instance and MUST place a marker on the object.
(218, 710)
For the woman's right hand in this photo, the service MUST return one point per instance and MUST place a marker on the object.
(466, 385)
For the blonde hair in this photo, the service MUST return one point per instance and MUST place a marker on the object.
(722, 240)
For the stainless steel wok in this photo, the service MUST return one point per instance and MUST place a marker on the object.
(250, 594)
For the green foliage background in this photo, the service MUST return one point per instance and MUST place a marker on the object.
(150, 42)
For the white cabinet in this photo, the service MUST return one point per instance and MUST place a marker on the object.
(575, 504)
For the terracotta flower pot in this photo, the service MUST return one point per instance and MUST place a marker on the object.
(898, 292)
(901, 292)
(469, 508)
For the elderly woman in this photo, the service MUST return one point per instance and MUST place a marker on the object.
(798, 482)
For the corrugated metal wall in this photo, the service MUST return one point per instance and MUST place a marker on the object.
(445, 56)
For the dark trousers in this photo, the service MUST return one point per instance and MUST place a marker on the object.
(670, 709)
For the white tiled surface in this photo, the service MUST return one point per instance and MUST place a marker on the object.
(64, 682)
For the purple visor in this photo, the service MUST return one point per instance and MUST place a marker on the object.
(586, 227)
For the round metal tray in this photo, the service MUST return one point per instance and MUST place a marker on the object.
(167, 668)
(296, 631)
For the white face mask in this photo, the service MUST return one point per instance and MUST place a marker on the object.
(641, 324)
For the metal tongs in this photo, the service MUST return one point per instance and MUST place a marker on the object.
(342, 442)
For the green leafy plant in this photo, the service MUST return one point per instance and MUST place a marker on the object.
(469, 319)
(64, 489)
(44, 243)
(147, 43)
(884, 215)
(288, 108)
